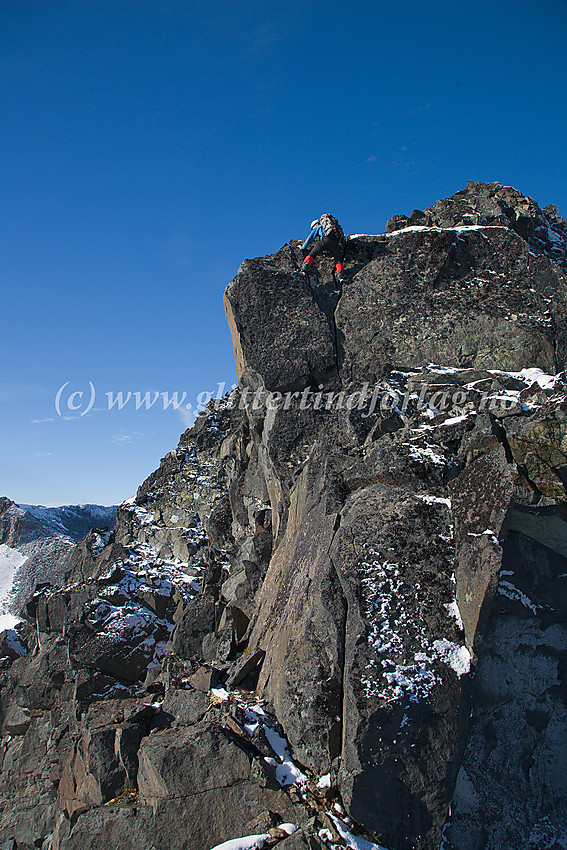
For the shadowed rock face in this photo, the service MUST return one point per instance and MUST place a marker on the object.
(354, 591)
(517, 746)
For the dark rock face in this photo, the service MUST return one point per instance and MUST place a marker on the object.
(511, 787)
(289, 343)
(465, 298)
(495, 205)
(339, 602)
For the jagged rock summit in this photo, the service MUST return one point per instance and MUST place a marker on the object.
(336, 615)
(476, 281)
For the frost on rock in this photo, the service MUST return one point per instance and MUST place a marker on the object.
(287, 773)
(249, 842)
(453, 610)
(407, 656)
(260, 725)
(356, 842)
(507, 589)
(100, 540)
(434, 500)
(220, 694)
(324, 781)
(427, 453)
(454, 655)
(486, 533)
(130, 620)
(142, 516)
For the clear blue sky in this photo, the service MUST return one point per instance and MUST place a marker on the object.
(148, 146)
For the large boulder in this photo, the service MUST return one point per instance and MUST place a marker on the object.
(278, 329)
(356, 608)
(202, 770)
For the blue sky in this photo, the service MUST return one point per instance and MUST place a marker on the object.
(148, 146)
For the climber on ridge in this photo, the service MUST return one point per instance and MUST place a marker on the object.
(328, 236)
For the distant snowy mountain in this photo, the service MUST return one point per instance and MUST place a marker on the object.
(10, 562)
(35, 544)
(23, 523)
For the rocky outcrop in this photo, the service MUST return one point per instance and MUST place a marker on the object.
(285, 313)
(338, 604)
(479, 281)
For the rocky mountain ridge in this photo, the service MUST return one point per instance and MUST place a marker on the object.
(487, 298)
(335, 615)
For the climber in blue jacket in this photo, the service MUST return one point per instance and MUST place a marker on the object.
(327, 237)
(317, 232)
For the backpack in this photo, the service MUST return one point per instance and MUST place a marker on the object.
(331, 227)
